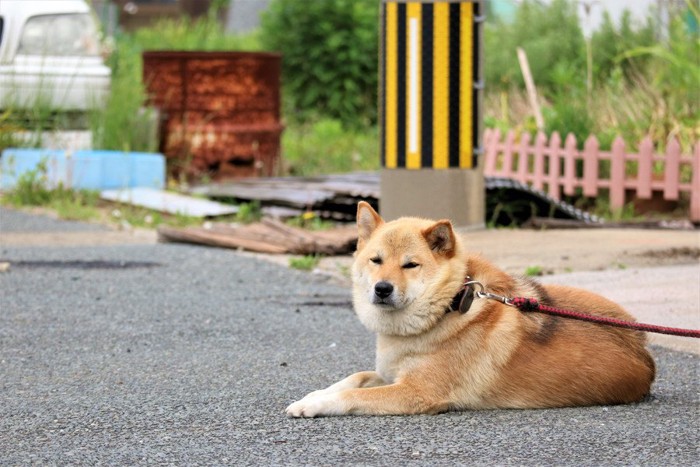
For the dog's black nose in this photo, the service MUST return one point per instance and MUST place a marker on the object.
(383, 289)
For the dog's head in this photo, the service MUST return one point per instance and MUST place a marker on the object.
(405, 273)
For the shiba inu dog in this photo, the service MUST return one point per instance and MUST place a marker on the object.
(439, 348)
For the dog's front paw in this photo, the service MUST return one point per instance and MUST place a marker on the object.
(315, 405)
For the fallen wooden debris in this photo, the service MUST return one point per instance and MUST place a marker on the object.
(266, 236)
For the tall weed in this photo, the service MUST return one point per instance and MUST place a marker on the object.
(643, 84)
(202, 34)
(674, 76)
(122, 124)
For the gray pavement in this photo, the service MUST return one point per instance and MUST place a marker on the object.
(13, 221)
(665, 295)
(174, 354)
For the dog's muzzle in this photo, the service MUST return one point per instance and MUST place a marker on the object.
(382, 293)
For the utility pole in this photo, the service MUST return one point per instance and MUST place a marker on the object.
(430, 110)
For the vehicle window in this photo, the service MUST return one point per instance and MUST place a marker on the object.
(63, 35)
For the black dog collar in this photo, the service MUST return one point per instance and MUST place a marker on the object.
(464, 298)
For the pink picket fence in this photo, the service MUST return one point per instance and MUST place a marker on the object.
(551, 167)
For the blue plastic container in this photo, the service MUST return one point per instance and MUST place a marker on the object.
(93, 170)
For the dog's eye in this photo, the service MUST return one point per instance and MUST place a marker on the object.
(376, 260)
(410, 265)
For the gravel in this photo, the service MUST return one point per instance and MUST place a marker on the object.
(176, 354)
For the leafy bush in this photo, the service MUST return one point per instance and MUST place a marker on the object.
(330, 51)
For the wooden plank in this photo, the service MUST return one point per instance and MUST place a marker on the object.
(672, 172)
(203, 237)
(268, 236)
(258, 232)
(304, 240)
(617, 174)
(538, 169)
(644, 170)
(695, 186)
(523, 157)
(554, 166)
(491, 152)
(590, 167)
(508, 151)
(570, 165)
(530, 87)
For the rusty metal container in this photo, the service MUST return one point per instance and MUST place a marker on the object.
(220, 111)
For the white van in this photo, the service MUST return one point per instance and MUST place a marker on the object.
(50, 55)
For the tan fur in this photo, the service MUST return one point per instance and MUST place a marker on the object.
(494, 356)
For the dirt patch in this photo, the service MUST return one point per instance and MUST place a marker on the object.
(673, 254)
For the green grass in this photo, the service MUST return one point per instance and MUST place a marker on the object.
(135, 216)
(310, 221)
(326, 146)
(76, 205)
(304, 263)
(658, 99)
(249, 212)
(31, 190)
(603, 209)
(532, 271)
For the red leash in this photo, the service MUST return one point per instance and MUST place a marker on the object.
(530, 305)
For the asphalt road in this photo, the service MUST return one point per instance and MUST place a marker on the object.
(175, 354)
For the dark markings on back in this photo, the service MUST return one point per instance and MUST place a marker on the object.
(549, 325)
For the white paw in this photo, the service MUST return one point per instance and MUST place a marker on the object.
(315, 404)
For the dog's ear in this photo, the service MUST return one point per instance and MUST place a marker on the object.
(367, 221)
(441, 238)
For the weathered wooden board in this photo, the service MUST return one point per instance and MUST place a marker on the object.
(267, 236)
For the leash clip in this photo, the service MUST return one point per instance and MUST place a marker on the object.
(500, 298)
(482, 293)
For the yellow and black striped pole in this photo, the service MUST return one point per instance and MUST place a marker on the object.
(430, 96)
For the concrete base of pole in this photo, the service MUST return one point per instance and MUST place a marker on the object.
(455, 194)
